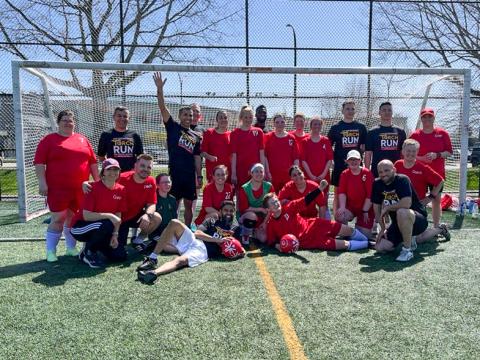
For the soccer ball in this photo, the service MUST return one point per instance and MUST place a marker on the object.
(231, 248)
(289, 244)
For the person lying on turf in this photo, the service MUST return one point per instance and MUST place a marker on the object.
(212, 238)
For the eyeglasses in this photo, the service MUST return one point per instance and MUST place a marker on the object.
(165, 182)
(297, 174)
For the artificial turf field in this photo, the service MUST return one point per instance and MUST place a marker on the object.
(341, 305)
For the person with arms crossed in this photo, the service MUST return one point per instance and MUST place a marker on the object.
(98, 220)
(58, 154)
(354, 194)
(281, 152)
(435, 147)
(120, 143)
(393, 196)
(184, 162)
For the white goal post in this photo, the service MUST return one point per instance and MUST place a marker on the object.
(43, 88)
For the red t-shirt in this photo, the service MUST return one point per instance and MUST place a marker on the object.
(138, 195)
(217, 145)
(281, 152)
(247, 145)
(243, 203)
(357, 188)
(67, 160)
(213, 198)
(437, 141)
(298, 139)
(290, 192)
(420, 175)
(103, 200)
(316, 155)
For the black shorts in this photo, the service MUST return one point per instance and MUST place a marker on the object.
(184, 186)
(125, 227)
(336, 172)
(430, 187)
(419, 226)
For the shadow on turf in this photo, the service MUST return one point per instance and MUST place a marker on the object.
(266, 251)
(386, 262)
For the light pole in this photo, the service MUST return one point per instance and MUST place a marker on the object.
(181, 88)
(295, 65)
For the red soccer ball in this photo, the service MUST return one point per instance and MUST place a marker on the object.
(231, 248)
(289, 244)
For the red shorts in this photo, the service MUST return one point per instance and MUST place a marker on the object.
(320, 234)
(63, 199)
(358, 213)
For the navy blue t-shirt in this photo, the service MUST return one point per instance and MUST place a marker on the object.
(182, 144)
(345, 137)
(392, 193)
(215, 229)
(386, 143)
(122, 146)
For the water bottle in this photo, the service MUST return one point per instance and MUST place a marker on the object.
(475, 210)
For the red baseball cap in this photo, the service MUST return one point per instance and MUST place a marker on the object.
(427, 111)
(289, 244)
(110, 163)
(231, 248)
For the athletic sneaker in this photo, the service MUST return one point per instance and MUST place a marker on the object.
(147, 277)
(51, 256)
(405, 255)
(90, 259)
(372, 244)
(445, 233)
(72, 252)
(413, 243)
(147, 264)
(139, 247)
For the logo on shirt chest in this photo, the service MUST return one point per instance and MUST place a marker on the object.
(350, 138)
(147, 186)
(390, 198)
(117, 197)
(187, 142)
(286, 217)
(255, 132)
(389, 141)
(122, 147)
(416, 172)
(228, 195)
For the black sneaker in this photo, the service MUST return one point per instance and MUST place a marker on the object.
(140, 247)
(90, 259)
(147, 277)
(147, 264)
(372, 244)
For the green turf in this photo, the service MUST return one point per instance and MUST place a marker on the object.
(8, 181)
(343, 305)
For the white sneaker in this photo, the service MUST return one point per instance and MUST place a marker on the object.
(405, 255)
(413, 243)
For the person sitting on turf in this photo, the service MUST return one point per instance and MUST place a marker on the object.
(354, 193)
(312, 233)
(194, 248)
(98, 220)
(394, 196)
(250, 197)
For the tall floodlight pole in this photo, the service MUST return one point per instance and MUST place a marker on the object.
(181, 88)
(295, 65)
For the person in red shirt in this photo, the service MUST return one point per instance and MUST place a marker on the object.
(214, 194)
(247, 147)
(299, 125)
(435, 147)
(297, 188)
(60, 153)
(281, 152)
(422, 176)
(98, 221)
(312, 233)
(215, 147)
(354, 193)
(317, 156)
(251, 212)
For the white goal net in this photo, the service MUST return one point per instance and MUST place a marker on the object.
(93, 90)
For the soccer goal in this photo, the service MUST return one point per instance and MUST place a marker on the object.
(92, 90)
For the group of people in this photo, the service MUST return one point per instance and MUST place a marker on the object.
(280, 182)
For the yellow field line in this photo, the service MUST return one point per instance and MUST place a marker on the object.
(295, 347)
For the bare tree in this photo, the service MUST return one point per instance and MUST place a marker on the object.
(431, 34)
(91, 31)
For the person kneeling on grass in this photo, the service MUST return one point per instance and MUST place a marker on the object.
(312, 233)
(208, 241)
(394, 196)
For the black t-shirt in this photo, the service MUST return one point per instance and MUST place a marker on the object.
(122, 146)
(386, 143)
(198, 129)
(182, 144)
(215, 229)
(392, 193)
(345, 137)
(167, 208)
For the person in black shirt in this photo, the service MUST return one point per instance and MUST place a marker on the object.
(183, 144)
(120, 143)
(394, 196)
(348, 134)
(384, 141)
(261, 118)
(194, 248)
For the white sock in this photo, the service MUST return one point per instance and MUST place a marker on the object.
(52, 240)
(70, 241)
(153, 256)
